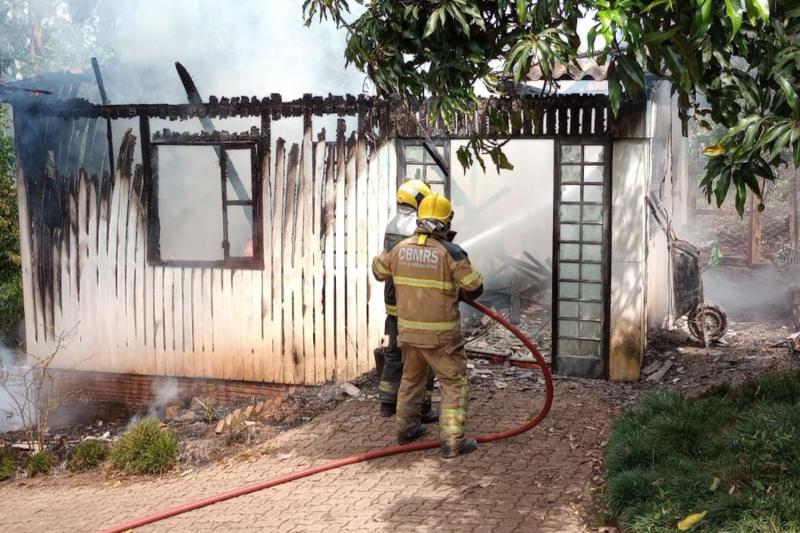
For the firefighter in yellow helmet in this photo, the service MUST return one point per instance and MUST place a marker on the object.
(431, 275)
(388, 359)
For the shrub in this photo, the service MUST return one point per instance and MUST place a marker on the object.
(145, 449)
(88, 454)
(40, 463)
(8, 464)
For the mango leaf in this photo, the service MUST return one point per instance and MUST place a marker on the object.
(614, 93)
(714, 150)
(779, 144)
(690, 59)
(464, 157)
(633, 71)
(472, 10)
(796, 154)
(499, 159)
(522, 11)
(749, 88)
(742, 125)
(751, 181)
(433, 21)
(657, 3)
(773, 133)
(790, 94)
(702, 17)
(736, 14)
(721, 190)
(758, 9)
(691, 520)
(763, 169)
(656, 37)
(741, 199)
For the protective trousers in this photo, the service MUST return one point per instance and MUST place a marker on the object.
(393, 371)
(450, 366)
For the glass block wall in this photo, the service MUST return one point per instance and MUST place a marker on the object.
(583, 179)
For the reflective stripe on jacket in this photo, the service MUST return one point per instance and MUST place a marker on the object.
(427, 278)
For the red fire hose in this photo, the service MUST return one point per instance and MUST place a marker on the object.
(372, 454)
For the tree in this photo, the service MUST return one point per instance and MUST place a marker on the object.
(36, 36)
(733, 63)
(10, 261)
(44, 35)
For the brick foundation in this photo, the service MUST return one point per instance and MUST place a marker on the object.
(122, 395)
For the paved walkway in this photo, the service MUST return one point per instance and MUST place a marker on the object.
(533, 482)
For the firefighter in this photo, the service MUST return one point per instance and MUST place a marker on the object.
(388, 359)
(431, 275)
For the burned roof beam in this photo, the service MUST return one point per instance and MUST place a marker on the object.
(104, 98)
(193, 95)
(215, 107)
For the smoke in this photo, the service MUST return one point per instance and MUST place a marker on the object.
(243, 48)
(13, 392)
(749, 295)
(504, 215)
(166, 393)
(247, 47)
(6, 357)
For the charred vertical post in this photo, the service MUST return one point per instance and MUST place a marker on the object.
(150, 190)
(104, 98)
(262, 173)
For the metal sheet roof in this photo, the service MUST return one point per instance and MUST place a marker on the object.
(586, 69)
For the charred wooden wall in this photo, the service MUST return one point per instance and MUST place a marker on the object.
(312, 314)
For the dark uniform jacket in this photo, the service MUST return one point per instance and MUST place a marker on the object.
(402, 226)
(429, 275)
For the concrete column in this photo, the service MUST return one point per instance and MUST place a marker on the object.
(630, 172)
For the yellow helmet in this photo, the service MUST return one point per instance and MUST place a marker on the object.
(435, 207)
(412, 192)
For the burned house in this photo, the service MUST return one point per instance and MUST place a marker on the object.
(156, 244)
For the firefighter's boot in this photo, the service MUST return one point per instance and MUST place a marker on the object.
(379, 358)
(461, 447)
(430, 416)
(412, 433)
(390, 380)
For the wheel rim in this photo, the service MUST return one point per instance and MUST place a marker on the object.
(708, 322)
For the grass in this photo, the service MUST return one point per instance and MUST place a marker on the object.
(734, 452)
(86, 455)
(8, 463)
(40, 463)
(145, 449)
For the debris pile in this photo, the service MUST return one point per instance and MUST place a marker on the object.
(487, 339)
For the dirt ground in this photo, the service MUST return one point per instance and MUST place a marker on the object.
(544, 480)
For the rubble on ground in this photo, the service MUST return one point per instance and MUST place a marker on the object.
(486, 337)
(207, 431)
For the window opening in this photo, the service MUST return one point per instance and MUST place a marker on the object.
(414, 162)
(207, 203)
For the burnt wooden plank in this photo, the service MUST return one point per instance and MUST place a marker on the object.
(279, 181)
(342, 344)
(317, 270)
(328, 223)
(289, 280)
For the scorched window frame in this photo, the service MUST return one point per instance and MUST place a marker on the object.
(402, 161)
(256, 261)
